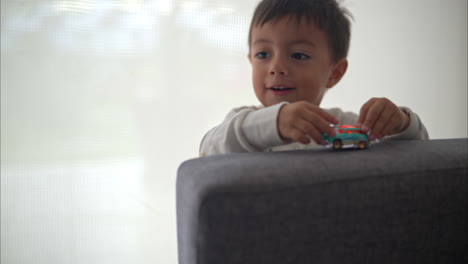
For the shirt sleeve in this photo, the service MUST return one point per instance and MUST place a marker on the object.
(246, 129)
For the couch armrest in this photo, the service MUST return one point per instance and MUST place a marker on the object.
(396, 202)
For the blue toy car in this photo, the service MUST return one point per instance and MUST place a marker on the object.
(348, 135)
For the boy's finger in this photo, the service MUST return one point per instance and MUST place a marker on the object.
(304, 126)
(310, 130)
(312, 109)
(320, 124)
(390, 128)
(316, 136)
(298, 135)
(320, 115)
(363, 112)
(372, 116)
(329, 117)
(382, 120)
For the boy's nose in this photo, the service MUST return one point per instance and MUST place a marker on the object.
(277, 72)
(278, 69)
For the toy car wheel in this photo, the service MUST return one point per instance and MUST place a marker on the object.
(362, 144)
(337, 144)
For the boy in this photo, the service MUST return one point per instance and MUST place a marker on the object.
(298, 50)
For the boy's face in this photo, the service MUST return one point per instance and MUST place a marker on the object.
(292, 62)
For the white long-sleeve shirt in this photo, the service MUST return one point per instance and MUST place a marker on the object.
(254, 129)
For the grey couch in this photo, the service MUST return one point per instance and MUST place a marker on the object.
(396, 202)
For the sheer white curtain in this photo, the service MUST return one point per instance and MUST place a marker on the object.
(102, 100)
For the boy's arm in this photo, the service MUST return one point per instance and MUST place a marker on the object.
(246, 129)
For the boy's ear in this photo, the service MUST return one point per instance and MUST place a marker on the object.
(338, 71)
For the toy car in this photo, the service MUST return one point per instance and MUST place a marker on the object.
(348, 135)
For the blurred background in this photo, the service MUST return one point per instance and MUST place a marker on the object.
(102, 100)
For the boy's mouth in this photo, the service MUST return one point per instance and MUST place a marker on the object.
(280, 90)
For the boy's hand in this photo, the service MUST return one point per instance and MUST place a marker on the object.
(302, 121)
(382, 117)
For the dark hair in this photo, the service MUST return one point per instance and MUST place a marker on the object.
(327, 15)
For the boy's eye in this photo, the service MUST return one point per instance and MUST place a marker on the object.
(261, 55)
(299, 56)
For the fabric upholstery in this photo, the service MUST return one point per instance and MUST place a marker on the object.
(396, 202)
